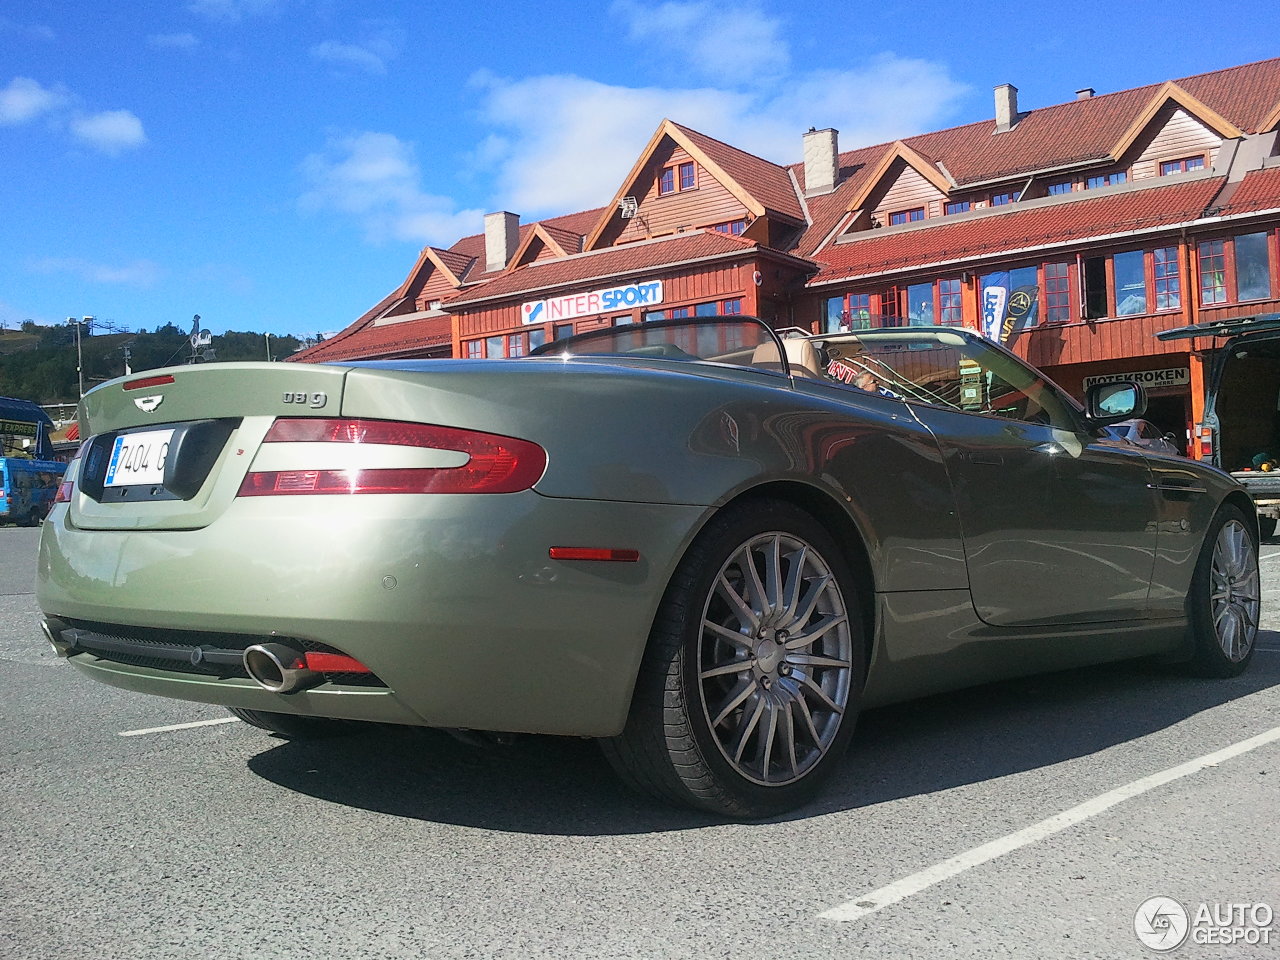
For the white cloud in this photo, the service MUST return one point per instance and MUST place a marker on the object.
(233, 11)
(25, 99)
(545, 126)
(140, 273)
(111, 131)
(173, 41)
(731, 44)
(375, 179)
(349, 55)
(36, 31)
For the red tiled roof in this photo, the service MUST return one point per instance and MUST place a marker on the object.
(1259, 190)
(580, 223)
(767, 182)
(606, 264)
(985, 236)
(372, 342)
(1069, 133)
(364, 320)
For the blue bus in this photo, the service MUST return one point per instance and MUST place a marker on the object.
(29, 474)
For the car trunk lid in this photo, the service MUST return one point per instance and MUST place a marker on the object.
(168, 449)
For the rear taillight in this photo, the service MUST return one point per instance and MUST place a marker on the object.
(64, 492)
(495, 464)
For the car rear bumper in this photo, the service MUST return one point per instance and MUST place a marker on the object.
(451, 601)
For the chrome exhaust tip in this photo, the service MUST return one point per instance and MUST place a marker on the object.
(53, 633)
(279, 668)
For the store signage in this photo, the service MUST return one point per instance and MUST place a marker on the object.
(588, 304)
(1172, 377)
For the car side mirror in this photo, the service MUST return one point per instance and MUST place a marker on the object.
(1112, 402)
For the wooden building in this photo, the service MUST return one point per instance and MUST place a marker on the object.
(1073, 233)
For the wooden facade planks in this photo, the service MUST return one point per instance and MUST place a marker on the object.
(1181, 135)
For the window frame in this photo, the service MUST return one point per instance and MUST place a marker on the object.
(671, 178)
(1183, 164)
(952, 207)
(908, 215)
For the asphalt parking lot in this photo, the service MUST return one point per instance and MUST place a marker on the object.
(1024, 819)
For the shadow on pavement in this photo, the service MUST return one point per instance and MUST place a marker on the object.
(557, 786)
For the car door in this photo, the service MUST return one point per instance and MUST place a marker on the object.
(1057, 527)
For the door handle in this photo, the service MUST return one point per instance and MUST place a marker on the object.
(986, 457)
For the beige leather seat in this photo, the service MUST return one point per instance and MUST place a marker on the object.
(802, 359)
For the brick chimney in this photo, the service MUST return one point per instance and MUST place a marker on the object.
(821, 161)
(1006, 107)
(501, 237)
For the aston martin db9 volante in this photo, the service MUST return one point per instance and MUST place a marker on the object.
(704, 544)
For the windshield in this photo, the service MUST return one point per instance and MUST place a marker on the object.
(742, 341)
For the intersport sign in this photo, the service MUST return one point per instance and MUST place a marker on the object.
(588, 304)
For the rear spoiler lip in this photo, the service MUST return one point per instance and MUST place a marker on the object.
(1235, 326)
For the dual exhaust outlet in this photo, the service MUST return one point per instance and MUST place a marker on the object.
(279, 668)
(276, 667)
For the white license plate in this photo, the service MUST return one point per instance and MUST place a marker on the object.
(138, 458)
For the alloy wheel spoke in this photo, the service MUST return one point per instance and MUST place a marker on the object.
(746, 726)
(734, 700)
(726, 669)
(822, 695)
(820, 630)
(724, 633)
(746, 616)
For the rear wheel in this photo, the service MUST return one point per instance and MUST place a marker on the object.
(1225, 596)
(293, 727)
(750, 685)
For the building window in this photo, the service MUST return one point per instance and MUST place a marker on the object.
(653, 315)
(475, 349)
(731, 307)
(1169, 167)
(920, 303)
(1130, 282)
(1168, 282)
(1000, 199)
(1058, 188)
(906, 216)
(1106, 180)
(958, 206)
(733, 227)
(678, 312)
(950, 311)
(849, 312)
(1057, 292)
(1213, 272)
(561, 331)
(677, 178)
(493, 348)
(517, 345)
(688, 176)
(1253, 270)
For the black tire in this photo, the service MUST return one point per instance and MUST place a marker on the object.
(294, 727)
(713, 703)
(1225, 597)
(1266, 527)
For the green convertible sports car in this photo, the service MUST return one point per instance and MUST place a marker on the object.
(704, 544)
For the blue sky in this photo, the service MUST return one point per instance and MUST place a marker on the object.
(276, 165)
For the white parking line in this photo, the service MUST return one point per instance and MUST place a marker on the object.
(179, 726)
(917, 882)
(1268, 556)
